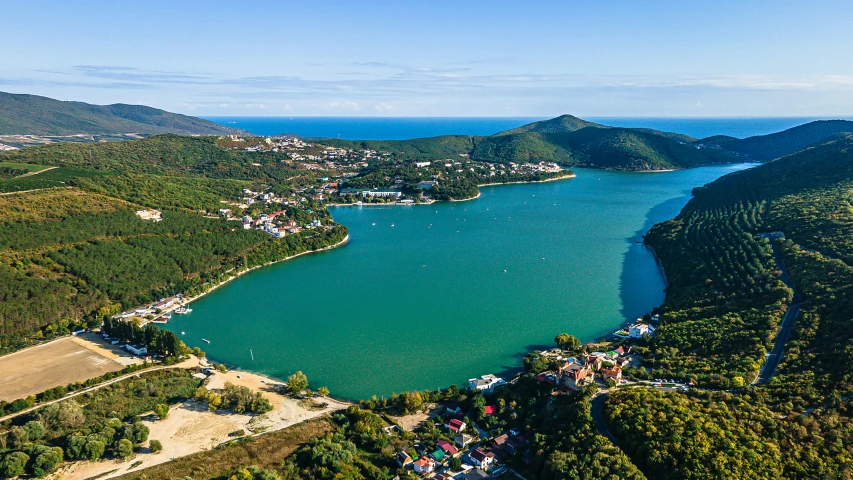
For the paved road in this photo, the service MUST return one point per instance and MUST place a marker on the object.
(768, 369)
(597, 413)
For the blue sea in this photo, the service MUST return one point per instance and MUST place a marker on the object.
(401, 128)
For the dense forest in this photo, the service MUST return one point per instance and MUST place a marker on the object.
(725, 298)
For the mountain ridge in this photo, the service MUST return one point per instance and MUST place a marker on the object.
(24, 114)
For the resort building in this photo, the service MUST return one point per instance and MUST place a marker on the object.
(637, 330)
(486, 383)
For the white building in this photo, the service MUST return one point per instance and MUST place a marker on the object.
(486, 383)
(637, 330)
(136, 349)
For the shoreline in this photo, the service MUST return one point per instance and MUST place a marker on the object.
(564, 177)
(243, 272)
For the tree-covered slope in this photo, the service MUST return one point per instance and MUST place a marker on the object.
(35, 115)
(762, 148)
(566, 139)
(561, 124)
(726, 296)
(609, 148)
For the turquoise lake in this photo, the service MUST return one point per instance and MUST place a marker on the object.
(430, 295)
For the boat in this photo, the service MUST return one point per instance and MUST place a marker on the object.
(205, 340)
(183, 333)
(183, 310)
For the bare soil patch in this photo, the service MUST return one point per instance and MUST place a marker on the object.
(61, 362)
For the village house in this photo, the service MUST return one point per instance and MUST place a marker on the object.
(447, 447)
(403, 459)
(503, 443)
(455, 425)
(594, 362)
(424, 465)
(574, 375)
(612, 373)
(481, 458)
(463, 440)
(486, 383)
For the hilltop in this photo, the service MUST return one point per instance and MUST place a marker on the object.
(567, 140)
(36, 115)
(763, 148)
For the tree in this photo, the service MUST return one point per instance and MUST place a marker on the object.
(323, 391)
(568, 342)
(155, 446)
(14, 464)
(124, 448)
(95, 449)
(35, 430)
(456, 464)
(140, 433)
(161, 410)
(46, 460)
(297, 382)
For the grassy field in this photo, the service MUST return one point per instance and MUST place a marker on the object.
(55, 177)
(264, 451)
(30, 167)
(61, 362)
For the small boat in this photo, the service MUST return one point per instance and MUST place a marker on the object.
(392, 224)
(183, 310)
(205, 340)
(183, 333)
(374, 223)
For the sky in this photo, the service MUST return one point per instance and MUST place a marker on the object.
(437, 58)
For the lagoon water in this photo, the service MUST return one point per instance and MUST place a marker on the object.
(430, 295)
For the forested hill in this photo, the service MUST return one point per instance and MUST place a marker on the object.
(567, 140)
(36, 115)
(725, 301)
(561, 124)
(763, 148)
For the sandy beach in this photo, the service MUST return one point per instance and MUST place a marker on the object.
(191, 428)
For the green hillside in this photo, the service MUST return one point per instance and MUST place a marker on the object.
(561, 124)
(725, 300)
(609, 148)
(35, 115)
(762, 148)
(566, 140)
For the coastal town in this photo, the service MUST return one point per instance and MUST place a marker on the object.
(347, 176)
(449, 444)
